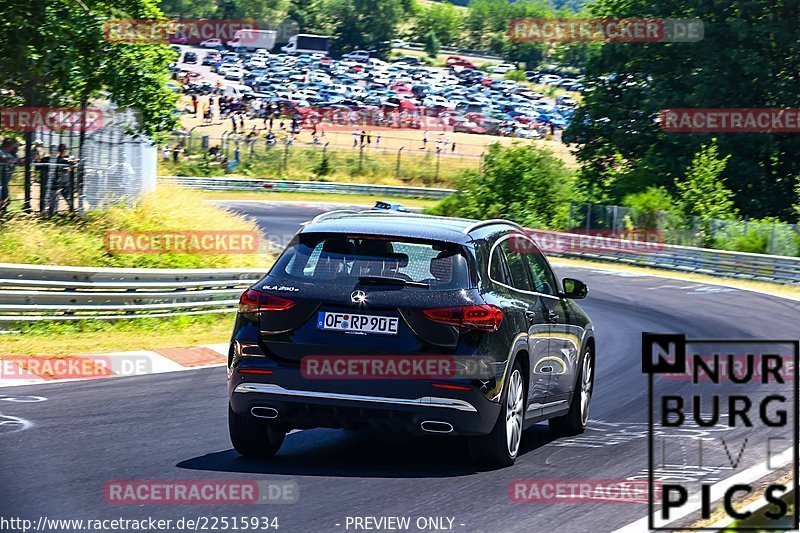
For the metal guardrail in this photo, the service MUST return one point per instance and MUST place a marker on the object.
(229, 184)
(33, 292)
(721, 263)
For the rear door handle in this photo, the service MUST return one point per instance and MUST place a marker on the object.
(552, 316)
(531, 315)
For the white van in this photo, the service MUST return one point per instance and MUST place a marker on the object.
(356, 55)
(238, 91)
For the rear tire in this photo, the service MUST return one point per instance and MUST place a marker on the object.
(253, 437)
(574, 422)
(501, 447)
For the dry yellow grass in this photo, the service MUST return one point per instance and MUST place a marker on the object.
(468, 146)
(80, 241)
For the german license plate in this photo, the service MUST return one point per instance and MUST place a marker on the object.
(352, 323)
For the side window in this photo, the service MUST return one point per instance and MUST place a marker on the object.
(517, 266)
(497, 271)
(543, 280)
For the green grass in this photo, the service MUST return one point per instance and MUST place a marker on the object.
(313, 197)
(78, 337)
(416, 168)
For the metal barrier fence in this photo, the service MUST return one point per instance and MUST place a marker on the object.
(298, 157)
(227, 184)
(74, 172)
(30, 293)
(757, 267)
(770, 237)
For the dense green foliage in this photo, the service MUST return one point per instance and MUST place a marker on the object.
(520, 182)
(749, 58)
(443, 19)
(55, 53)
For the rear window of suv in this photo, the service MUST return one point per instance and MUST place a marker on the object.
(330, 258)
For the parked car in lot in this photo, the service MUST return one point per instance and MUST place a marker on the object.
(357, 55)
(408, 60)
(212, 43)
(234, 73)
(458, 61)
(210, 58)
(382, 285)
(566, 100)
(502, 68)
(464, 125)
(190, 57)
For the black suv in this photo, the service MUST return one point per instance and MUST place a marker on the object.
(355, 292)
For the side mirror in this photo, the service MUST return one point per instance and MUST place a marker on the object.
(574, 289)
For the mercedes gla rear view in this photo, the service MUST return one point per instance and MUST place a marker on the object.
(407, 323)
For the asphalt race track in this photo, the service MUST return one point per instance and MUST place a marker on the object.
(72, 438)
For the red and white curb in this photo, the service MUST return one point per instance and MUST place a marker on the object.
(27, 370)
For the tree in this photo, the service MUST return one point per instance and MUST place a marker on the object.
(702, 192)
(56, 54)
(524, 183)
(431, 44)
(362, 24)
(443, 19)
(797, 198)
(629, 84)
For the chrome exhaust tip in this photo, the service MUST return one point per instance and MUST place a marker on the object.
(264, 412)
(435, 426)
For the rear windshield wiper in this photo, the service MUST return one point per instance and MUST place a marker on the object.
(383, 280)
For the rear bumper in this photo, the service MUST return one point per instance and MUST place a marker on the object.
(303, 408)
(427, 401)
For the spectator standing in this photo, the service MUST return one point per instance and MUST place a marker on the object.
(355, 138)
(176, 152)
(425, 140)
(8, 158)
(63, 178)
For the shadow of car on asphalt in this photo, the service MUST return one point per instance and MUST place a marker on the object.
(339, 453)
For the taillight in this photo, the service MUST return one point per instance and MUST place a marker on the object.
(482, 317)
(253, 301)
